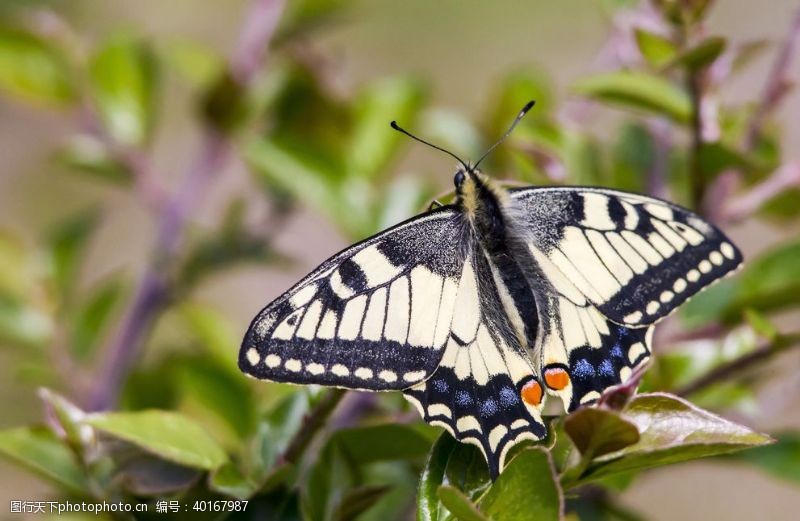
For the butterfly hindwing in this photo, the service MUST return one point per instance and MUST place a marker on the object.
(583, 353)
(634, 257)
(375, 316)
(475, 393)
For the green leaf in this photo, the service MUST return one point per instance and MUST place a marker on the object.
(701, 55)
(526, 489)
(373, 140)
(432, 478)
(92, 317)
(761, 324)
(228, 397)
(358, 500)
(596, 432)
(656, 49)
(230, 481)
(214, 332)
(781, 459)
(638, 90)
(168, 435)
(39, 450)
(146, 475)
(69, 417)
(34, 69)
(275, 431)
(459, 505)
(672, 430)
(89, 156)
(194, 61)
(382, 442)
(124, 80)
(68, 241)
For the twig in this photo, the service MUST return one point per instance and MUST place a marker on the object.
(153, 292)
(777, 84)
(745, 205)
(744, 363)
(312, 423)
(697, 183)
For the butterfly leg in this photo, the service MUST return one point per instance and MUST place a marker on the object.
(435, 204)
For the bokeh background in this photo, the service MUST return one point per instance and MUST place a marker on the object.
(459, 55)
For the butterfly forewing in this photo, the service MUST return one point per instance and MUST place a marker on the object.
(375, 316)
(634, 257)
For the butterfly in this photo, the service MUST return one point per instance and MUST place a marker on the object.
(481, 310)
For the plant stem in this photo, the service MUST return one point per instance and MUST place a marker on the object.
(697, 185)
(154, 290)
(744, 363)
(776, 86)
(312, 423)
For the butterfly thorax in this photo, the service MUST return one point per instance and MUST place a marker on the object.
(482, 203)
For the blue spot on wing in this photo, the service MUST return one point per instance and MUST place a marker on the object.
(616, 351)
(463, 399)
(583, 369)
(606, 368)
(489, 407)
(508, 397)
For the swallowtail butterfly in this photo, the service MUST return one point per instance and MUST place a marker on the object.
(479, 310)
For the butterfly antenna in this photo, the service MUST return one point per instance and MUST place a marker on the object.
(415, 138)
(519, 117)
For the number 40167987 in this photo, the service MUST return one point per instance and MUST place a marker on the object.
(220, 506)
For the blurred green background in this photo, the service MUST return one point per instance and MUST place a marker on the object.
(303, 163)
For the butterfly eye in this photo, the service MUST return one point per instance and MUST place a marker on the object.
(458, 180)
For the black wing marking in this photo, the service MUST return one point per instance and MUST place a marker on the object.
(375, 316)
(583, 353)
(475, 393)
(634, 257)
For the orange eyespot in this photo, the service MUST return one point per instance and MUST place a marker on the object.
(532, 393)
(556, 378)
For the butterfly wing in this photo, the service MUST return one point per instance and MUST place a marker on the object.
(475, 393)
(375, 316)
(633, 257)
(610, 265)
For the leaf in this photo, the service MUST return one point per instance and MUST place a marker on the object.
(68, 417)
(701, 55)
(638, 90)
(761, 324)
(203, 381)
(215, 332)
(67, 242)
(39, 450)
(383, 442)
(459, 504)
(781, 459)
(230, 481)
(90, 156)
(346, 452)
(276, 430)
(358, 500)
(34, 69)
(92, 317)
(124, 80)
(467, 471)
(596, 432)
(672, 430)
(195, 62)
(153, 477)
(432, 478)
(526, 489)
(168, 435)
(373, 140)
(656, 49)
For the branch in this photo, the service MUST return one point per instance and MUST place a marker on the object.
(745, 205)
(154, 289)
(777, 84)
(744, 363)
(312, 423)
